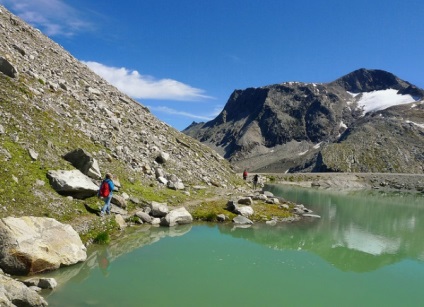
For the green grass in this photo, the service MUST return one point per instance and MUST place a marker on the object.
(208, 211)
(102, 238)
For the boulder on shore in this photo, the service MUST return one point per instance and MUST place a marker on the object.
(178, 216)
(31, 245)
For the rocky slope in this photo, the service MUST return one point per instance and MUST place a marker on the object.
(343, 126)
(51, 104)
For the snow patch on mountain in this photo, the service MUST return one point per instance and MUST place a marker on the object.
(416, 124)
(380, 100)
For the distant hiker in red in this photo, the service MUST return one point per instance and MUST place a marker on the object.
(105, 192)
(244, 174)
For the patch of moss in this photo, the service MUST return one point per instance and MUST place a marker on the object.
(208, 211)
(264, 211)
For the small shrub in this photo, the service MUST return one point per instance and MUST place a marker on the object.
(102, 238)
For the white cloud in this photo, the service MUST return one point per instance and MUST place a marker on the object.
(146, 87)
(171, 111)
(53, 17)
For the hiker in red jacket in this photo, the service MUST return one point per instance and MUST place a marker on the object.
(106, 191)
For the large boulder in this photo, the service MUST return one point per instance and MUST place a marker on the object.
(15, 293)
(72, 183)
(7, 68)
(83, 161)
(31, 245)
(178, 216)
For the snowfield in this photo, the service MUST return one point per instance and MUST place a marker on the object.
(380, 100)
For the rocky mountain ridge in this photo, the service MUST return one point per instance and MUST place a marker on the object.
(308, 127)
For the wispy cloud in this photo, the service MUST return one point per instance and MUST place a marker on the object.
(171, 111)
(146, 87)
(53, 17)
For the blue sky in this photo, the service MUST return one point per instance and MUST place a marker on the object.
(183, 58)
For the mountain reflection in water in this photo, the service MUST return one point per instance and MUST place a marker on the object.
(358, 231)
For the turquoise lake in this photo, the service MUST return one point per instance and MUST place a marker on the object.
(367, 249)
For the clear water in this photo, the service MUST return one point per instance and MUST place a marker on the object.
(366, 250)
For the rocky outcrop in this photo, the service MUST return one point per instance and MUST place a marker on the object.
(285, 127)
(33, 245)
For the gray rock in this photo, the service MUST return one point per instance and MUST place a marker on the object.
(178, 216)
(33, 154)
(33, 245)
(15, 293)
(119, 201)
(231, 205)
(43, 283)
(146, 218)
(19, 49)
(158, 209)
(273, 201)
(239, 209)
(268, 194)
(176, 185)
(163, 180)
(120, 221)
(156, 221)
(7, 68)
(162, 158)
(83, 161)
(117, 210)
(221, 217)
(245, 201)
(72, 183)
(135, 200)
(246, 211)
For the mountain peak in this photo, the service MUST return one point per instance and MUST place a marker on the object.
(368, 80)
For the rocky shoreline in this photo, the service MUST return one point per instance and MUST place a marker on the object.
(236, 206)
(413, 183)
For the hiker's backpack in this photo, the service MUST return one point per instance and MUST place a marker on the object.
(104, 189)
